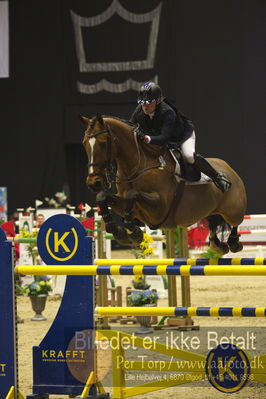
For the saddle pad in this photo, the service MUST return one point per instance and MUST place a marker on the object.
(204, 179)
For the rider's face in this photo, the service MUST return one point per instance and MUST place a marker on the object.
(149, 108)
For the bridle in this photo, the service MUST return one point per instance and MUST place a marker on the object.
(109, 170)
(107, 166)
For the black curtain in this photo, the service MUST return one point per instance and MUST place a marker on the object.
(31, 105)
(209, 57)
(76, 162)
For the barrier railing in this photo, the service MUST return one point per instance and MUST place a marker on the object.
(214, 311)
(172, 270)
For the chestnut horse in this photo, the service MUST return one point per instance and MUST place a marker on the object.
(149, 190)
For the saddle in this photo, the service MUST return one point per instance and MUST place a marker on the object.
(184, 169)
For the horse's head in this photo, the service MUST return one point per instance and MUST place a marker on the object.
(98, 145)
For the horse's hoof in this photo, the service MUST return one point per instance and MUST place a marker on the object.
(236, 247)
(136, 236)
(101, 197)
(119, 233)
(222, 248)
(234, 244)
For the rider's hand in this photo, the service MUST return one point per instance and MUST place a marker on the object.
(140, 135)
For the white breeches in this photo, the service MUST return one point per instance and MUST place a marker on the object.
(188, 148)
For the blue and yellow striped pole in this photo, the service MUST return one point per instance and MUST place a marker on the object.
(161, 270)
(182, 311)
(185, 261)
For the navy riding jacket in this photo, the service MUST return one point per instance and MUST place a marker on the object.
(167, 124)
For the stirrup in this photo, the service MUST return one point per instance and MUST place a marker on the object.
(222, 182)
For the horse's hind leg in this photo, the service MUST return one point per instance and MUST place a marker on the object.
(215, 244)
(233, 241)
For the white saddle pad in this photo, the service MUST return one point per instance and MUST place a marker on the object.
(204, 179)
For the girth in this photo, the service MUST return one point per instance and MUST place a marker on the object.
(168, 220)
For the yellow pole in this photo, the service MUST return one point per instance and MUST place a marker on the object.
(135, 311)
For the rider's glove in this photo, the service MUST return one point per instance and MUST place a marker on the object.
(142, 136)
(147, 139)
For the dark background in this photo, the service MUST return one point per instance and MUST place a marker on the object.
(210, 58)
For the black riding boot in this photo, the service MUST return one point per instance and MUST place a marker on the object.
(219, 179)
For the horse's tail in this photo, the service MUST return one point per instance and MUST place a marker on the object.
(217, 225)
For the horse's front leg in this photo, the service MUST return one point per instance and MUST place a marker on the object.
(134, 231)
(129, 232)
(104, 199)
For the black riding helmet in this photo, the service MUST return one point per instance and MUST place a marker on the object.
(149, 92)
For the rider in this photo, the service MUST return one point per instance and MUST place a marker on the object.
(160, 123)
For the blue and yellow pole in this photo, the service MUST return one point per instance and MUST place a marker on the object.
(162, 270)
(185, 261)
(182, 311)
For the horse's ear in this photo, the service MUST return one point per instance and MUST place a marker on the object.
(99, 118)
(85, 120)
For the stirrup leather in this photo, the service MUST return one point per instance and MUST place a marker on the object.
(177, 165)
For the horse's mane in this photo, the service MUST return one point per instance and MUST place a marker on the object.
(126, 121)
(151, 149)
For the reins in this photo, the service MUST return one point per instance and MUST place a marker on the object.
(137, 173)
(107, 165)
(109, 170)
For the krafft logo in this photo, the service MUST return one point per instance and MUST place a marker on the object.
(227, 368)
(60, 244)
(61, 240)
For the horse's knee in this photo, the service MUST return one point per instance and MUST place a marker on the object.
(101, 197)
